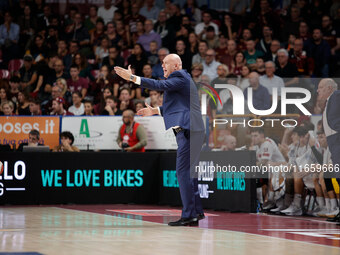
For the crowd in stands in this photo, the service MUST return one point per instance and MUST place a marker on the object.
(53, 64)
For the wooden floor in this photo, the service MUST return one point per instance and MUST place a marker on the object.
(56, 230)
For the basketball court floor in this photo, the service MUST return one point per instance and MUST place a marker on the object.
(137, 229)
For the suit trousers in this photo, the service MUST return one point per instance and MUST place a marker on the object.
(186, 159)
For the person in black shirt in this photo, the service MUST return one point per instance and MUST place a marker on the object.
(285, 69)
(24, 105)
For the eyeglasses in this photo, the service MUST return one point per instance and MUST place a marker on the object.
(209, 55)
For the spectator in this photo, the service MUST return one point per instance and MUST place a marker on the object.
(222, 72)
(266, 40)
(228, 28)
(132, 135)
(77, 31)
(28, 74)
(175, 16)
(28, 26)
(191, 9)
(211, 38)
(153, 57)
(285, 69)
(298, 57)
(271, 55)
(104, 78)
(149, 10)
(88, 108)
(246, 36)
(83, 66)
(99, 31)
(139, 105)
(157, 70)
(77, 83)
(23, 106)
(269, 80)
(196, 72)
(78, 107)
(149, 36)
(65, 93)
(112, 34)
(111, 107)
(125, 101)
(138, 59)
(9, 38)
(210, 64)
(33, 140)
(291, 26)
(134, 18)
(320, 51)
(44, 19)
(331, 34)
(102, 51)
(200, 28)
(59, 70)
(91, 20)
(183, 54)
(202, 50)
(155, 98)
(147, 73)
(34, 106)
(67, 140)
(304, 31)
(46, 77)
(107, 11)
(58, 107)
(69, 57)
(113, 59)
(165, 30)
(259, 67)
(261, 96)
(243, 83)
(239, 62)
(222, 48)
(99, 108)
(251, 54)
(7, 108)
(14, 84)
(193, 43)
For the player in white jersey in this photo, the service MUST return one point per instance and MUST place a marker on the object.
(268, 154)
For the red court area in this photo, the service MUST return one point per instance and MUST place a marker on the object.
(305, 229)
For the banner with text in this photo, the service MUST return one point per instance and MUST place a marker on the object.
(14, 130)
(100, 132)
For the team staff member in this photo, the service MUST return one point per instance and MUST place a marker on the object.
(131, 135)
(327, 90)
(181, 112)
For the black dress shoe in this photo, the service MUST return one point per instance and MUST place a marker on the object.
(335, 219)
(184, 222)
(201, 216)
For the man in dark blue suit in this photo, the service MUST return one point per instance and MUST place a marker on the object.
(327, 90)
(181, 112)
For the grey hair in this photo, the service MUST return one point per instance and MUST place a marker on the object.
(270, 62)
(283, 51)
(330, 83)
(165, 49)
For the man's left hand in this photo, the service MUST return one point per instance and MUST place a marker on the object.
(124, 73)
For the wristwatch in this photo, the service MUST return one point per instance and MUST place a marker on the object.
(132, 77)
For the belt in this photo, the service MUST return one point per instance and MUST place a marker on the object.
(177, 130)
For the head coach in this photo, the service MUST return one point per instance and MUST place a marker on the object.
(181, 112)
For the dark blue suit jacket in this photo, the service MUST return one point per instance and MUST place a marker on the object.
(181, 106)
(333, 119)
(333, 111)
